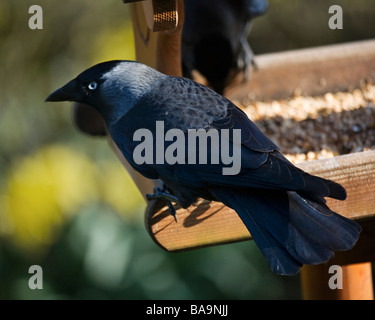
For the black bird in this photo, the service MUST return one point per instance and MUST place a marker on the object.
(214, 39)
(282, 206)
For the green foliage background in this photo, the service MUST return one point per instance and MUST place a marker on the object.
(68, 205)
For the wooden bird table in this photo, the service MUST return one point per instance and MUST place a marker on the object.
(157, 31)
(211, 223)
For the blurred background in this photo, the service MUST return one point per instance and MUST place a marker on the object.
(68, 205)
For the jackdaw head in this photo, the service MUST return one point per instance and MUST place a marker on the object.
(111, 87)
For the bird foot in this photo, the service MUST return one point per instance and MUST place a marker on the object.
(161, 194)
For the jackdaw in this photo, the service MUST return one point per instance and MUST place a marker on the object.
(214, 39)
(282, 206)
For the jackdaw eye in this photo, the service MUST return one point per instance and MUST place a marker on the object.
(92, 86)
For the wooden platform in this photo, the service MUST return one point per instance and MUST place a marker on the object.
(211, 223)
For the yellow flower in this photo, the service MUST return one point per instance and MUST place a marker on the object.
(42, 190)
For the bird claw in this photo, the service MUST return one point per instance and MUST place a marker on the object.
(248, 54)
(161, 194)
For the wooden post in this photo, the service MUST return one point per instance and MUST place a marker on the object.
(160, 50)
(356, 283)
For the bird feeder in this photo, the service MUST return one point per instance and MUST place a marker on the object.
(157, 29)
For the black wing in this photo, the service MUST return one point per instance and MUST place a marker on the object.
(184, 104)
(262, 165)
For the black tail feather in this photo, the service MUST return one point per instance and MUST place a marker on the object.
(290, 230)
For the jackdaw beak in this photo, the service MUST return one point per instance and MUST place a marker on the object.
(69, 92)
